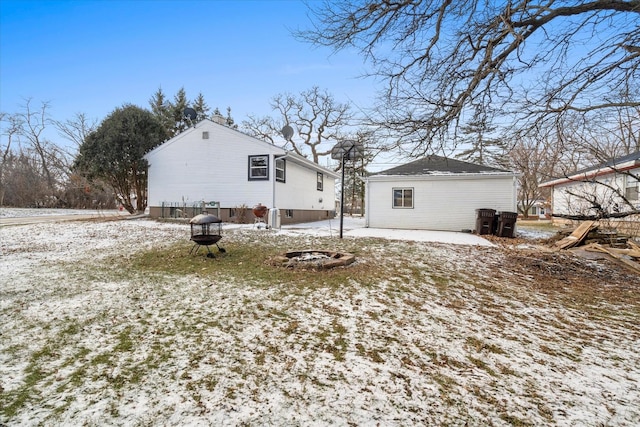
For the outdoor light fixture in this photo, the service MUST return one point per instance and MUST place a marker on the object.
(346, 151)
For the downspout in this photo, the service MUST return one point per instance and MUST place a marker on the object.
(366, 200)
(515, 194)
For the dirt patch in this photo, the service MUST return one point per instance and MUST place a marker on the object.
(581, 276)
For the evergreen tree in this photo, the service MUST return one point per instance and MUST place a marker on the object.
(161, 107)
(114, 152)
(171, 113)
(201, 107)
(482, 148)
(180, 102)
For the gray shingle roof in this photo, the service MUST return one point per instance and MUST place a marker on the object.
(434, 165)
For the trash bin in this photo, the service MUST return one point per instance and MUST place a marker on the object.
(485, 221)
(506, 224)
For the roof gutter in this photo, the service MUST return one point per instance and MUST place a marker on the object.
(589, 175)
(441, 177)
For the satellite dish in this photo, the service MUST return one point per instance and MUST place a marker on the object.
(347, 150)
(190, 113)
(287, 132)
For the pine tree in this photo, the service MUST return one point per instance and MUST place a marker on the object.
(162, 109)
(180, 102)
(482, 148)
(201, 107)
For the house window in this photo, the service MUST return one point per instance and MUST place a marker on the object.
(281, 170)
(205, 135)
(320, 179)
(403, 198)
(232, 212)
(258, 168)
(288, 213)
(631, 190)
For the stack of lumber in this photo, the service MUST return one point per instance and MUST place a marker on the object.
(588, 232)
(606, 242)
(577, 236)
(627, 256)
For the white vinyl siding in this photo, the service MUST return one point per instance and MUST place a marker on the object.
(631, 189)
(188, 169)
(439, 202)
(575, 198)
(299, 192)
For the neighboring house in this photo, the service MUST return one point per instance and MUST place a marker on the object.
(539, 210)
(437, 193)
(598, 190)
(210, 162)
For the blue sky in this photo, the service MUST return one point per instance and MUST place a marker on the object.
(91, 56)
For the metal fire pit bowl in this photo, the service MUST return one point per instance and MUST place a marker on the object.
(206, 230)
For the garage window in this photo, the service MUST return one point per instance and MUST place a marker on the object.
(403, 198)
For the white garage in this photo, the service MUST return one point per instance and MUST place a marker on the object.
(437, 193)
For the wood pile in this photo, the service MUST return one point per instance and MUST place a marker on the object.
(617, 246)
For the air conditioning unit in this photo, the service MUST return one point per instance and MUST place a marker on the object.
(273, 218)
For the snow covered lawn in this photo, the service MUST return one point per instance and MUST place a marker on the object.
(114, 323)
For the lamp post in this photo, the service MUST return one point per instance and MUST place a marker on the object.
(343, 151)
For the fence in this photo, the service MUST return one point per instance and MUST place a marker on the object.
(186, 211)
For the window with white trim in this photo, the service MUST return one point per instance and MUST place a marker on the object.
(259, 167)
(281, 170)
(403, 198)
(320, 183)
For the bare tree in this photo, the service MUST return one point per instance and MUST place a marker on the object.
(34, 123)
(36, 155)
(535, 159)
(356, 170)
(11, 126)
(533, 60)
(601, 136)
(315, 115)
(76, 129)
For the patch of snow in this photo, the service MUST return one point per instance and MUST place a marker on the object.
(442, 340)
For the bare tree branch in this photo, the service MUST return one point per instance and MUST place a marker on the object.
(315, 115)
(529, 60)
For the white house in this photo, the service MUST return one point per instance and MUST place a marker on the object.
(437, 193)
(210, 162)
(598, 189)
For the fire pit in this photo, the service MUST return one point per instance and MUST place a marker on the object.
(314, 259)
(206, 230)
